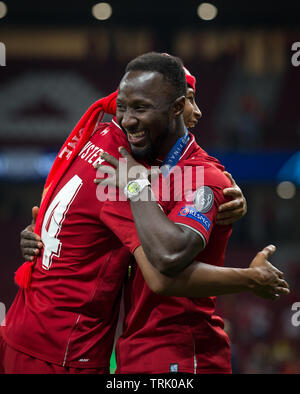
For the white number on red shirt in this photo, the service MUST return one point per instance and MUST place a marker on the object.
(54, 217)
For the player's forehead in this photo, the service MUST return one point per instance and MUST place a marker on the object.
(190, 92)
(143, 85)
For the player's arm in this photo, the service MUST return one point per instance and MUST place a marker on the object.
(175, 243)
(204, 280)
(168, 246)
(198, 279)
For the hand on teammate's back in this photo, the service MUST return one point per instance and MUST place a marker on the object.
(235, 209)
(31, 243)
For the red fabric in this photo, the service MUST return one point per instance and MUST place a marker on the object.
(190, 79)
(72, 146)
(14, 362)
(23, 274)
(80, 135)
(71, 307)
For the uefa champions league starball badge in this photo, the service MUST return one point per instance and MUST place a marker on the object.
(203, 199)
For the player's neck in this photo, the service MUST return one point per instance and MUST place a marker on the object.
(174, 150)
(172, 137)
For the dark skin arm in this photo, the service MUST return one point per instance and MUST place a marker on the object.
(205, 280)
(178, 244)
(168, 246)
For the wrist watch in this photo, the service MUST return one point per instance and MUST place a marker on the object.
(134, 188)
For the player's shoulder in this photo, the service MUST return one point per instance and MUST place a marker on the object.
(213, 170)
(111, 132)
(105, 128)
(214, 176)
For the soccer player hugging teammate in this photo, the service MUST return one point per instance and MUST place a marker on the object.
(179, 333)
(65, 320)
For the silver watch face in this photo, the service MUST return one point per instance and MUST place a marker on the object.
(133, 188)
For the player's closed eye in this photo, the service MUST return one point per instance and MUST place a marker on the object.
(140, 108)
(120, 107)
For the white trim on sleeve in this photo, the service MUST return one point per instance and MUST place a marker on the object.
(196, 231)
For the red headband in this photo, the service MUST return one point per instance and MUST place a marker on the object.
(190, 79)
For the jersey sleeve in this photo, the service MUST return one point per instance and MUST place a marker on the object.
(198, 208)
(117, 216)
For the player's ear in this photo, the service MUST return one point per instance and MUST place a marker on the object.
(178, 106)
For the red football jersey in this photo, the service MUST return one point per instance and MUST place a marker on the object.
(69, 314)
(176, 334)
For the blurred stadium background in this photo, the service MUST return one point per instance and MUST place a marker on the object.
(62, 56)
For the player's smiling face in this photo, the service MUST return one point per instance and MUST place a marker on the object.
(191, 113)
(143, 111)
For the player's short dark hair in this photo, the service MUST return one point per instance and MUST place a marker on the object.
(170, 67)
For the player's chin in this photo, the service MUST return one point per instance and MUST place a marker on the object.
(192, 124)
(139, 152)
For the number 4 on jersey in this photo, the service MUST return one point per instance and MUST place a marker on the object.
(54, 218)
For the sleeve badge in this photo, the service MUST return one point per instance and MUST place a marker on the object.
(203, 199)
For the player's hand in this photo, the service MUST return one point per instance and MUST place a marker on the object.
(268, 281)
(123, 170)
(31, 243)
(235, 209)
